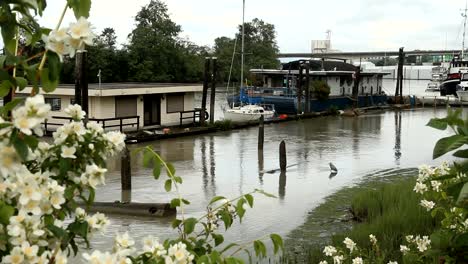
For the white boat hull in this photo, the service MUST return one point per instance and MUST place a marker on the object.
(247, 114)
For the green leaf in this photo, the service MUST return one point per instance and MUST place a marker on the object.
(8, 30)
(92, 195)
(175, 202)
(215, 257)
(277, 242)
(463, 153)
(240, 209)
(178, 179)
(448, 144)
(170, 169)
(176, 223)
(189, 225)
(21, 82)
(226, 217)
(219, 239)
(463, 193)
(229, 247)
(148, 158)
(80, 8)
(230, 260)
(79, 228)
(250, 200)
(203, 260)
(462, 241)
(265, 193)
(20, 147)
(156, 169)
(47, 85)
(168, 185)
(32, 141)
(260, 248)
(6, 211)
(8, 107)
(2, 60)
(57, 231)
(5, 88)
(185, 201)
(216, 198)
(438, 123)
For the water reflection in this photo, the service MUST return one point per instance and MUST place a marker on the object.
(397, 147)
(229, 164)
(282, 185)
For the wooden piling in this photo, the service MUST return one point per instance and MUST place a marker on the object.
(299, 91)
(213, 90)
(307, 87)
(282, 156)
(126, 170)
(261, 133)
(81, 81)
(205, 90)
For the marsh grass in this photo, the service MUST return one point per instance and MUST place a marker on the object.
(388, 210)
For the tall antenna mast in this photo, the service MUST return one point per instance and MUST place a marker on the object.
(464, 30)
(242, 45)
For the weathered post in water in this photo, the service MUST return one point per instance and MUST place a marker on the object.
(399, 84)
(81, 81)
(213, 90)
(126, 176)
(299, 91)
(205, 90)
(307, 87)
(357, 80)
(282, 156)
(261, 133)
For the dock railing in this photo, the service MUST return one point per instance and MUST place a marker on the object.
(112, 122)
(192, 114)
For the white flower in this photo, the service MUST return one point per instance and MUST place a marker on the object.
(93, 126)
(373, 239)
(422, 243)
(329, 251)
(61, 48)
(420, 187)
(153, 246)
(29, 192)
(23, 122)
(97, 222)
(338, 259)
(117, 139)
(16, 256)
(429, 205)
(349, 244)
(392, 262)
(68, 152)
(410, 238)
(124, 241)
(93, 176)
(75, 112)
(80, 213)
(323, 262)
(404, 249)
(10, 162)
(436, 185)
(81, 30)
(29, 251)
(358, 260)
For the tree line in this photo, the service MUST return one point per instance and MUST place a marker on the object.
(155, 52)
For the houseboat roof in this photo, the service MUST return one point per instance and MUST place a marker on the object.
(118, 89)
(318, 65)
(296, 72)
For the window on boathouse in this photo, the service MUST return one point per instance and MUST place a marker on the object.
(125, 106)
(55, 103)
(174, 102)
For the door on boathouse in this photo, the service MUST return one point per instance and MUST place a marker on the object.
(152, 109)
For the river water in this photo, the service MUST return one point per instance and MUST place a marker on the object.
(227, 163)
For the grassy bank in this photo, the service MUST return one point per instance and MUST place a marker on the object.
(389, 210)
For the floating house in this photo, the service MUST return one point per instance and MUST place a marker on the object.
(279, 87)
(126, 106)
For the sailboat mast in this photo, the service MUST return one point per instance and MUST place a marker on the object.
(242, 45)
(464, 31)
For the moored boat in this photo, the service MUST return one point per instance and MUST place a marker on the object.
(248, 113)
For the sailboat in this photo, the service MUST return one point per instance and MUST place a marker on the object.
(250, 112)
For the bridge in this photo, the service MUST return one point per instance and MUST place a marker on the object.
(368, 54)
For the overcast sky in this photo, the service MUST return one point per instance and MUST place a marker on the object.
(357, 25)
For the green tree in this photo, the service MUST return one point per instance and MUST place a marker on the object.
(260, 49)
